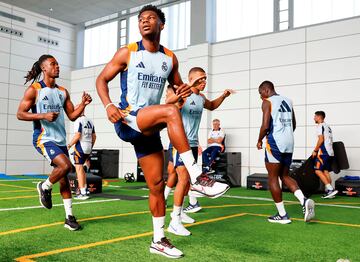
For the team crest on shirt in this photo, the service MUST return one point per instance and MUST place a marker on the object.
(164, 67)
(52, 151)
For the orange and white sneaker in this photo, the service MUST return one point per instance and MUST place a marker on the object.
(165, 248)
(208, 187)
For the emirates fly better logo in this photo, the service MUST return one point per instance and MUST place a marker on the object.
(349, 191)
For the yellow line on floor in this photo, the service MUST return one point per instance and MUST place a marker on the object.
(19, 197)
(16, 186)
(30, 258)
(315, 221)
(14, 231)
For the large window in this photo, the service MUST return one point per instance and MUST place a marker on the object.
(176, 33)
(100, 44)
(240, 18)
(307, 12)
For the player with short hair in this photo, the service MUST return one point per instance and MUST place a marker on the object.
(84, 139)
(145, 66)
(278, 125)
(191, 109)
(323, 153)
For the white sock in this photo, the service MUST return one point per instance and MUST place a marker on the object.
(191, 165)
(328, 187)
(68, 207)
(46, 185)
(281, 208)
(83, 191)
(299, 195)
(167, 192)
(192, 200)
(158, 225)
(176, 214)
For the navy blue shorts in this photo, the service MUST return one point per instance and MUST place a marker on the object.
(79, 156)
(322, 162)
(275, 156)
(174, 156)
(50, 150)
(143, 145)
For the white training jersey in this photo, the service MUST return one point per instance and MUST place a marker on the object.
(215, 134)
(327, 146)
(49, 100)
(86, 127)
(281, 134)
(143, 81)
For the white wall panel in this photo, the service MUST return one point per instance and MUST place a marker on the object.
(4, 44)
(332, 92)
(279, 39)
(3, 106)
(238, 100)
(230, 47)
(230, 63)
(349, 135)
(4, 90)
(232, 118)
(16, 124)
(17, 77)
(236, 81)
(3, 121)
(282, 75)
(237, 137)
(329, 30)
(277, 56)
(16, 137)
(83, 84)
(329, 48)
(2, 152)
(27, 50)
(4, 75)
(339, 69)
(22, 152)
(3, 137)
(4, 59)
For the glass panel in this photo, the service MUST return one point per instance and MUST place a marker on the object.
(100, 44)
(240, 18)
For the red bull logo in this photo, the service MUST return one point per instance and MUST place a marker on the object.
(257, 185)
(349, 191)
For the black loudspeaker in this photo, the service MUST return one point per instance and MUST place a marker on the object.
(105, 163)
(347, 187)
(228, 168)
(94, 183)
(258, 181)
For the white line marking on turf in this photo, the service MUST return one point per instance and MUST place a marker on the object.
(74, 203)
(269, 199)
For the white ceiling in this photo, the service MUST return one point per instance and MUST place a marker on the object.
(76, 11)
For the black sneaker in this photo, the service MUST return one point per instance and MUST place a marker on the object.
(279, 219)
(71, 223)
(44, 196)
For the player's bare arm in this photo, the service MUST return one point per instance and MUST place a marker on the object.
(266, 109)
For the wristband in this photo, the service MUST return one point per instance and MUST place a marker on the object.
(106, 107)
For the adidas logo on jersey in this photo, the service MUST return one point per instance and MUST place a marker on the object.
(193, 103)
(141, 65)
(88, 125)
(45, 98)
(284, 107)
